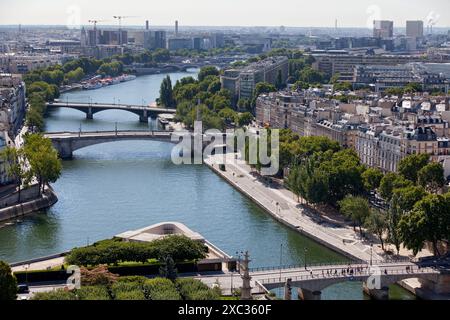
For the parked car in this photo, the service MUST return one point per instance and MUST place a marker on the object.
(23, 288)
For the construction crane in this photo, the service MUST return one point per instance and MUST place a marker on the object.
(120, 25)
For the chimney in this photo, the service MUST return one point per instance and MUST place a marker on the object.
(146, 25)
(176, 27)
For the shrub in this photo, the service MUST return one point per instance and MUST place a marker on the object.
(136, 279)
(97, 276)
(120, 287)
(180, 248)
(130, 295)
(8, 283)
(93, 293)
(192, 289)
(160, 289)
(60, 294)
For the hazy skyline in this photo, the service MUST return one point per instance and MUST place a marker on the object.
(292, 13)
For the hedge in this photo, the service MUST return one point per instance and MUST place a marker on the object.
(192, 289)
(93, 293)
(161, 289)
(180, 248)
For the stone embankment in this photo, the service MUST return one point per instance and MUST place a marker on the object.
(29, 203)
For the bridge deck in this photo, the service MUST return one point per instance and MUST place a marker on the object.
(106, 106)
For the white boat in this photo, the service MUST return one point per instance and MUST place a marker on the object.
(92, 86)
(128, 77)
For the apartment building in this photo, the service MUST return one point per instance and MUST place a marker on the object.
(242, 82)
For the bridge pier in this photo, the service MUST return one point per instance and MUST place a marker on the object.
(143, 117)
(377, 294)
(89, 114)
(305, 294)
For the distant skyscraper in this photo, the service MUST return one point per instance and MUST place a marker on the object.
(414, 29)
(383, 29)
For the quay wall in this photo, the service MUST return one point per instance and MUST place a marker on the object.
(15, 211)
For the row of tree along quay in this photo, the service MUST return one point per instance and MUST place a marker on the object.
(100, 280)
(36, 162)
(410, 207)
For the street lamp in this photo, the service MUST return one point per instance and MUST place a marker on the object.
(305, 251)
(371, 248)
(238, 255)
(231, 288)
(26, 273)
(281, 258)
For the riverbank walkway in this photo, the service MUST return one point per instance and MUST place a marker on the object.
(281, 204)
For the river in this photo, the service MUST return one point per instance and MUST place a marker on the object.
(110, 188)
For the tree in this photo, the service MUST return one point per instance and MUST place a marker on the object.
(376, 223)
(409, 166)
(431, 177)
(97, 276)
(428, 221)
(293, 181)
(8, 283)
(161, 55)
(413, 87)
(207, 71)
(75, 75)
(166, 93)
(43, 159)
(390, 182)
(372, 178)
(402, 202)
(245, 119)
(34, 120)
(355, 208)
(279, 83)
(168, 269)
(310, 75)
(15, 167)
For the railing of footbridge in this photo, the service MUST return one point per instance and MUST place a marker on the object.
(329, 264)
(354, 276)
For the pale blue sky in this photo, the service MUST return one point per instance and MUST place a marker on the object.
(301, 13)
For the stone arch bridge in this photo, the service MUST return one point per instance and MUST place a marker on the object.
(144, 112)
(68, 142)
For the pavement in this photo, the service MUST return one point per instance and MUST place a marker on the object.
(40, 265)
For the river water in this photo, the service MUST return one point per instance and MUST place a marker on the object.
(110, 188)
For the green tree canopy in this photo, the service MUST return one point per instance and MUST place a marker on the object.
(166, 93)
(390, 182)
(376, 223)
(372, 178)
(8, 283)
(355, 208)
(431, 177)
(428, 221)
(207, 71)
(409, 166)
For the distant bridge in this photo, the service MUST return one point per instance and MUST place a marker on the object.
(144, 112)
